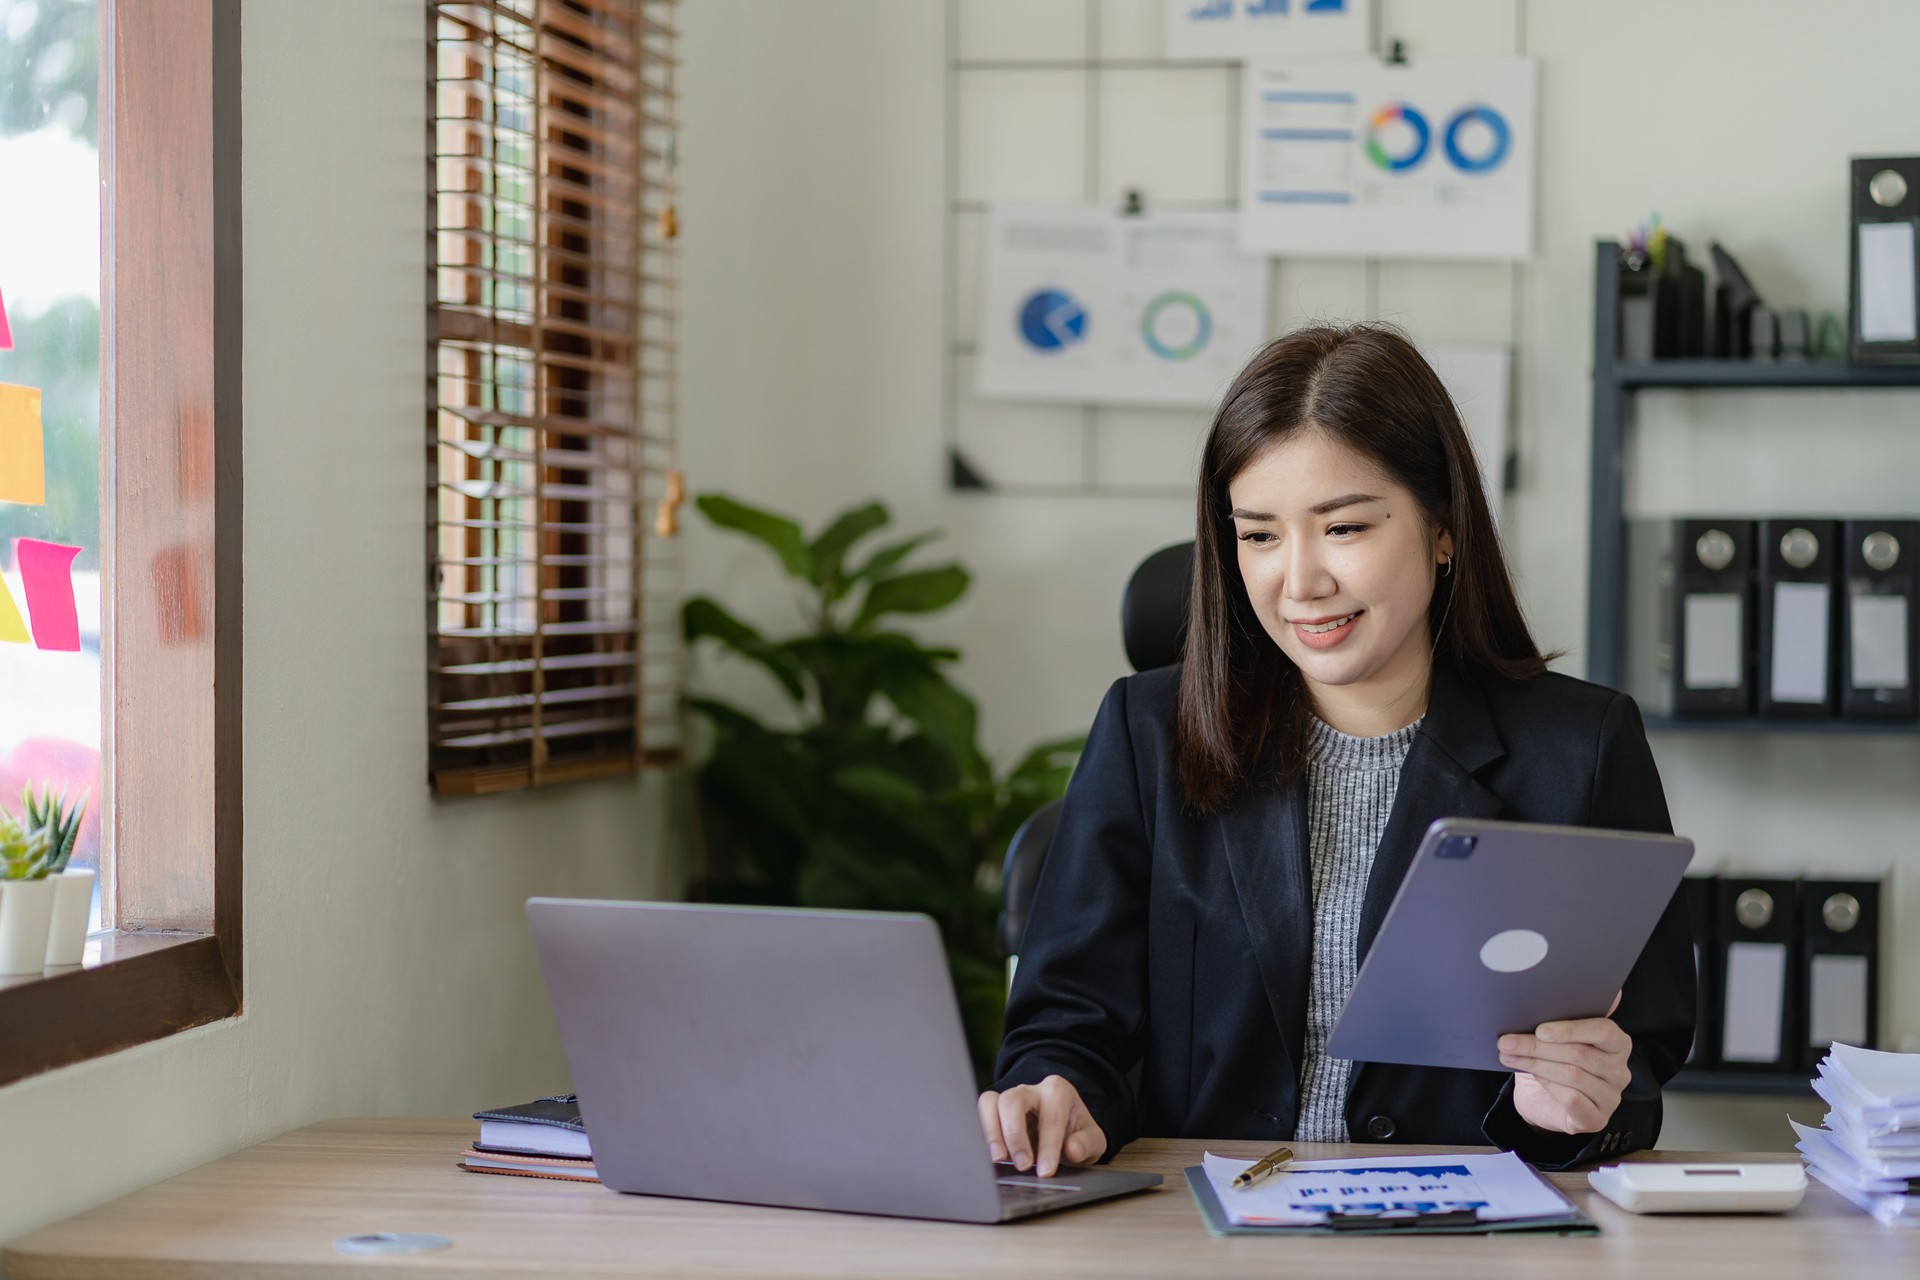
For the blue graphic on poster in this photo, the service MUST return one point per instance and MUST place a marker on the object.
(1490, 141)
(1052, 320)
(1176, 325)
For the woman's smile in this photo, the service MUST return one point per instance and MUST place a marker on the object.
(1324, 633)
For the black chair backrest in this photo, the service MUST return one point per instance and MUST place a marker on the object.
(1153, 608)
(1153, 626)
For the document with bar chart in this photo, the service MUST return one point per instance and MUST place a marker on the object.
(1353, 157)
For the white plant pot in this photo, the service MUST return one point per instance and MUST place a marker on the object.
(26, 913)
(72, 903)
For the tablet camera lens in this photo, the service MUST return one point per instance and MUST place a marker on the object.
(1455, 847)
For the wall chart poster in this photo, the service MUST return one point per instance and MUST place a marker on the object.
(1241, 29)
(1085, 305)
(1354, 157)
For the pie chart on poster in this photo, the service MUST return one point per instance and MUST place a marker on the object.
(1052, 320)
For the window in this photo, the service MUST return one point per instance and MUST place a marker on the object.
(167, 574)
(553, 619)
(50, 294)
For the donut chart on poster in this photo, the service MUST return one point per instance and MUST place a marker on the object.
(1415, 134)
(1477, 139)
(1176, 325)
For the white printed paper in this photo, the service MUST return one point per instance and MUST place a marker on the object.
(1755, 991)
(1353, 157)
(1877, 642)
(1887, 283)
(1800, 626)
(1716, 641)
(1837, 1000)
(1479, 378)
(1084, 305)
(1241, 29)
(1498, 1188)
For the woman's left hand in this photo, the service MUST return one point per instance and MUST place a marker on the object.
(1568, 1076)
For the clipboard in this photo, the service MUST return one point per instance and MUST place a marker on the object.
(1571, 1223)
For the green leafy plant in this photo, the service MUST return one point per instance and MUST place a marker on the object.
(875, 795)
(25, 852)
(49, 813)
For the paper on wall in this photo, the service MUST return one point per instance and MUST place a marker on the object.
(1479, 378)
(1084, 305)
(1353, 157)
(1240, 29)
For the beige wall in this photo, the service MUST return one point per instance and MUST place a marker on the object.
(814, 242)
(388, 964)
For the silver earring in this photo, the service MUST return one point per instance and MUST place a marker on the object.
(1446, 567)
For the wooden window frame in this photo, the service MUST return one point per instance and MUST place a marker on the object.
(170, 547)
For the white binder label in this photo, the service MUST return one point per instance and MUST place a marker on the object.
(1715, 642)
(1800, 641)
(1756, 991)
(1887, 283)
(1838, 1001)
(1879, 642)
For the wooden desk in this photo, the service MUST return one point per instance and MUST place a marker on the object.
(274, 1211)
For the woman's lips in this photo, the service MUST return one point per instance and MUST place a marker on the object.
(1319, 639)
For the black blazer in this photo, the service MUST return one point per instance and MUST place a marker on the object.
(1165, 965)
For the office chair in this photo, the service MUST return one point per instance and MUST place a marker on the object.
(1153, 626)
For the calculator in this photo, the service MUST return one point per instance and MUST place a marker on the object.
(1701, 1188)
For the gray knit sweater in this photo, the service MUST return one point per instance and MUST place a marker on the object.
(1350, 788)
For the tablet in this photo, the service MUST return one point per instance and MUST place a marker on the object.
(1499, 927)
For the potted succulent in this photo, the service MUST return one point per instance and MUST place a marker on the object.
(73, 886)
(26, 895)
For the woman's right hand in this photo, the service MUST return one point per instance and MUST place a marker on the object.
(1041, 1126)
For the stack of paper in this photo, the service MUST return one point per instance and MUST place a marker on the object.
(1869, 1149)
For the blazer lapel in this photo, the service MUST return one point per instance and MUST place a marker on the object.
(1265, 840)
(1456, 740)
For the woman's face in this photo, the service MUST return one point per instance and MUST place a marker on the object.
(1338, 563)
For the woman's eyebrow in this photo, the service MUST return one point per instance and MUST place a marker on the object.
(1348, 500)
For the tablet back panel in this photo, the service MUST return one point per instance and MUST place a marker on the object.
(1498, 927)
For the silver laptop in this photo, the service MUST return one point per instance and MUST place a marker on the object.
(812, 1059)
(1498, 927)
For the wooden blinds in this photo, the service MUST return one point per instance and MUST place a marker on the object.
(553, 616)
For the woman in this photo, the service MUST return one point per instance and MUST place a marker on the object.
(1356, 666)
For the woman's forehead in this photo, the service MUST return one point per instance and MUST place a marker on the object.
(1307, 469)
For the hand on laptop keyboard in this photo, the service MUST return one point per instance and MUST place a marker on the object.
(1041, 1126)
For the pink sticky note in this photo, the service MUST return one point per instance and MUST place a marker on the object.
(46, 571)
(6, 334)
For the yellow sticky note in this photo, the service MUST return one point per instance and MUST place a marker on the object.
(13, 628)
(23, 464)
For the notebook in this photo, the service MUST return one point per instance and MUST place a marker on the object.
(543, 1127)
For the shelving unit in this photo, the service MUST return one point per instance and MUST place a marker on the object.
(1770, 1084)
(1614, 382)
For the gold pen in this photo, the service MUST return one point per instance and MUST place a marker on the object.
(1272, 1162)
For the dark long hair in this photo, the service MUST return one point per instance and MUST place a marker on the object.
(1244, 717)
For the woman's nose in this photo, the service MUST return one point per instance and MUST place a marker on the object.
(1306, 572)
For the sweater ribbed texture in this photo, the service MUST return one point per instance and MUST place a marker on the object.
(1350, 788)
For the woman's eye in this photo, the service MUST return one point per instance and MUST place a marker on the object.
(1259, 537)
(1342, 530)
